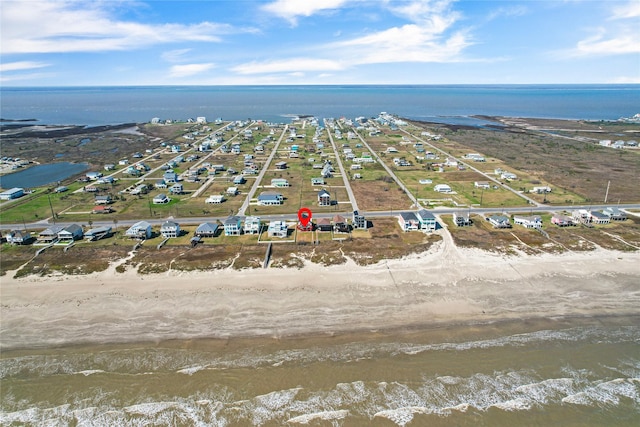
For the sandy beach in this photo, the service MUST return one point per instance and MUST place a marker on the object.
(446, 285)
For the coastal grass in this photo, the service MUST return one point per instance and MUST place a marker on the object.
(579, 167)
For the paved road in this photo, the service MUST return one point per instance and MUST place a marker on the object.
(293, 216)
(256, 184)
(347, 184)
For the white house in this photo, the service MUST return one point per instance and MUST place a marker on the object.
(541, 189)
(408, 221)
(279, 182)
(170, 229)
(252, 225)
(139, 230)
(482, 184)
(528, 221)
(161, 199)
(508, 176)
(270, 198)
(442, 188)
(277, 229)
(499, 221)
(214, 199)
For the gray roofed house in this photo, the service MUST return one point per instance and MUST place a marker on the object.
(233, 226)
(170, 229)
(207, 229)
(461, 219)
(615, 213)
(70, 233)
(599, 218)
(324, 198)
(18, 237)
(269, 198)
(408, 221)
(97, 233)
(427, 220)
(50, 234)
(139, 230)
(499, 221)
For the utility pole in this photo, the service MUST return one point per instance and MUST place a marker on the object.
(53, 215)
(606, 194)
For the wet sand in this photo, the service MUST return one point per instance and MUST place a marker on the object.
(446, 285)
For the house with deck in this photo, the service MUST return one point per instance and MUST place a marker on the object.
(599, 217)
(317, 181)
(207, 229)
(281, 165)
(97, 233)
(562, 220)
(233, 226)
(408, 221)
(442, 188)
(139, 230)
(533, 221)
(50, 235)
(278, 229)
(176, 188)
(215, 199)
(279, 182)
(499, 221)
(170, 229)
(359, 221)
(102, 209)
(340, 224)
(102, 200)
(461, 219)
(482, 185)
(252, 225)
(270, 198)
(18, 237)
(614, 213)
(324, 198)
(70, 233)
(324, 224)
(427, 220)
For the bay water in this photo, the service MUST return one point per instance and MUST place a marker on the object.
(440, 103)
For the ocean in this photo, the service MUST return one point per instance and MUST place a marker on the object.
(441, 103)
(569, 372)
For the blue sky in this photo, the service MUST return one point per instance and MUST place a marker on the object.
(218, 42)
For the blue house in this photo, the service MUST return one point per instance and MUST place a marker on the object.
(426, 219)
(233, 226)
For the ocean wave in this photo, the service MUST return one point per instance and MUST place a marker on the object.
(137, 361)
(360, 401)
(325, 415)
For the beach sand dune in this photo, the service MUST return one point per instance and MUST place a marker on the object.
(446, 285)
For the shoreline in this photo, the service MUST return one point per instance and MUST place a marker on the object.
(445, 286)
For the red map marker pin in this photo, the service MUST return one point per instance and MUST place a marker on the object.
(304, 215)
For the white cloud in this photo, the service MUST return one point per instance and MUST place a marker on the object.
(409, 43)
(622, 43)
(174, 55)
(21, 65)
(626, 80)
(292, 9)
(75, 26)
(629, 10)
(291, 65)
(620, 37)
(186, 70)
